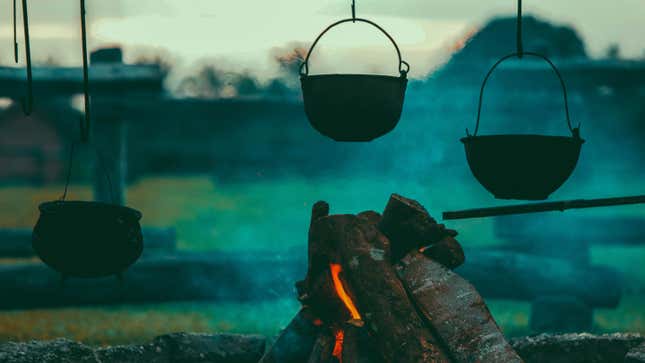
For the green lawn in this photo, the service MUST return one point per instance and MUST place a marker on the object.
(269, 214)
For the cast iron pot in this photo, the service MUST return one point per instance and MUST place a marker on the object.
(353, 107)
(87, 239)
(525, 167)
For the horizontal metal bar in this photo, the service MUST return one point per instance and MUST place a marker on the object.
(543, 207)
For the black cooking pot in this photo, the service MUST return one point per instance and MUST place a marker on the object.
(525, 167)
(87, 239)
(353, 107)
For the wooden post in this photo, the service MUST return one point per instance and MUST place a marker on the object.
(109, 138)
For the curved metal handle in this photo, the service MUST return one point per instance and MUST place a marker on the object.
(574, 131)
(101, 164)
(404, 67)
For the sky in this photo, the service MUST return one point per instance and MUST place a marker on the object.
(242, 35)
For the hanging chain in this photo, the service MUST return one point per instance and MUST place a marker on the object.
(354, 10)
(85, 123)
(520, 46)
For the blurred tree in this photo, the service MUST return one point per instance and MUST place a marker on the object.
(212, 82)
(613, 51)
(163, 61)
(498, 38)
(290, 58)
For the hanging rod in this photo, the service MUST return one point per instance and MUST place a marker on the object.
(28, 101)
(85, 122)
(354, 10)
(520, 45)
(543, 207)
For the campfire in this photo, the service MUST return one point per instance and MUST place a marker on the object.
(379, 288)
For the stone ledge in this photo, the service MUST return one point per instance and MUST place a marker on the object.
(576, 348)
(233, 348)
(176, 347)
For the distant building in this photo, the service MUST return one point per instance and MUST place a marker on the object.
(31, 148)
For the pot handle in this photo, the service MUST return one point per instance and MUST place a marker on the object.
(574, 131)
(101, 164)
(404, 67)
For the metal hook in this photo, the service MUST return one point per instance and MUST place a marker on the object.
(520, 46)
(27, 102)
(85, 123)
(354, 10)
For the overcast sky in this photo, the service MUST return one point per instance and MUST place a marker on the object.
(241, 34)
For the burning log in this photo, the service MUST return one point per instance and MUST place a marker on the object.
(320, 289)
(400, 333)
(455, 310)
(325, 233)
(359, 301)
(322, 298)
(409, 226)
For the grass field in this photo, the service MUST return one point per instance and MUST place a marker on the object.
(267, 215)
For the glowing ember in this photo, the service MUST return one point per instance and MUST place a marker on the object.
(338, 346)
(340, 290)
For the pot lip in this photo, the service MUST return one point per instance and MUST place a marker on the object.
(470, 138)
(304, 77)
(47, 207)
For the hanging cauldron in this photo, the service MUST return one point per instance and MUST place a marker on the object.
(525, 167)
(353, 107)
(82, 238)
(87, 239)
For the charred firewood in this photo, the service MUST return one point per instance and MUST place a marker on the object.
(322, 350)
(295, 342)
(359, 346)
(447, 252)
(455, 311)
(324, 236)
(407, 224)
(370, 217)
(400, 333)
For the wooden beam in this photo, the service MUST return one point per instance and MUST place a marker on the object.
(177, 277)
(537, 230)
(499, 274)
(66, 81)
(225, 276)
(543, 207)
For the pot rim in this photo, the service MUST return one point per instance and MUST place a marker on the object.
(49, 207)
(352, 75)
(469, 138)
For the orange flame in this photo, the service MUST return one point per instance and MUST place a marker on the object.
(338, 346)
(340, 290)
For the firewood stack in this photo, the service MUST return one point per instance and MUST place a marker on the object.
(379, 288)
